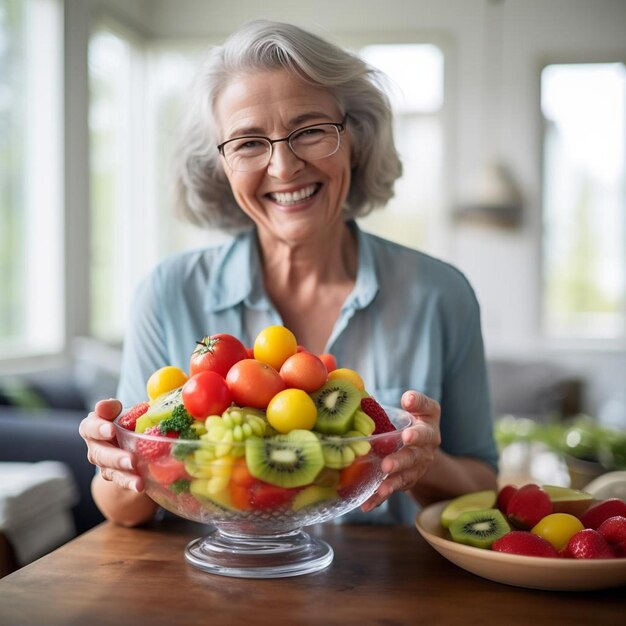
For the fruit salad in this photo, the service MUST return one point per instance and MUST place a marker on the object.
(542, 521)
(265, 433)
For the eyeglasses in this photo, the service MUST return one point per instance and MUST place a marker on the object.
(309, 143)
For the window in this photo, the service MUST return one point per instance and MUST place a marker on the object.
(415, 215)
(135, 96)
(31, 225)
(584, 200)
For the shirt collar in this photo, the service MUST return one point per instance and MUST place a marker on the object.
(236, 275)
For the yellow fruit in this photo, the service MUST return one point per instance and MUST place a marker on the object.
(165, 379)
(347, 374)
(274, 345)
(557, 528)
(291, 409)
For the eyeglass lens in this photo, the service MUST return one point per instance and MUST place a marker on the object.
(308, 144)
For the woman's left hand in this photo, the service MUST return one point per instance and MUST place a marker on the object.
(406, 466)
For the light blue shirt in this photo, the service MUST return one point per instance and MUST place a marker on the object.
(411, 322)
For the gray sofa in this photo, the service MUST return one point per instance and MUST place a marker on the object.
(39, 421)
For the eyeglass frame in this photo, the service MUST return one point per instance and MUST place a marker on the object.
(339, 126)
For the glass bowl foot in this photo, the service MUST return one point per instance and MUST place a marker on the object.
(259, 556)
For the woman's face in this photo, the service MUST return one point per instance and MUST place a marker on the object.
(273, 104)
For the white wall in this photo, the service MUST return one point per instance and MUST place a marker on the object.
(496, 49)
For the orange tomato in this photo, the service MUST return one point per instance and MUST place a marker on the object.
(329, 361)
(305, 371)
(253, 383)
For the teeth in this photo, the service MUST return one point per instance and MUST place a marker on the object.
(296, 196)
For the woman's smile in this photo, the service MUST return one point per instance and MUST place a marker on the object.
(295, 197)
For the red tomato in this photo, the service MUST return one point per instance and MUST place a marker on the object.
(304, 371)
(217, 353)
(253, 383)
(206, 393)
(329, 361)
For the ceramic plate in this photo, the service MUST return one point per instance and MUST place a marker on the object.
(521, 571)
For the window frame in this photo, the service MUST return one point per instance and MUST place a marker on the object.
(568, 344)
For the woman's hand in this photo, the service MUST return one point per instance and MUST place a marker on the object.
(116, 465)
(406, 466)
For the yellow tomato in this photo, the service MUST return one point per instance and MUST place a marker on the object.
(557, 528)
(274, 345)
(164, 380)
(291, 409)
(347, 374)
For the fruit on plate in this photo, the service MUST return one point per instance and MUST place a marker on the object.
(527, 506)
(525, 543)
(588, 544)
(595, 515)
(568, 500)
(557, 528)
(504, 497)
(613, 530)
(596, 534)
(479, 528)
(474, 501)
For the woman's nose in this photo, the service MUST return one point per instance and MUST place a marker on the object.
(284, 164)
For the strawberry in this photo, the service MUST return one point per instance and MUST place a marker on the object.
(524, 542)
(167, 469)
(370, 407)
(527, 506)
(504, 497)
(588, 544)
(129, 419)
(595, 515)
(151, 449)
(613, 530)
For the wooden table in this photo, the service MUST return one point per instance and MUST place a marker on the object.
(380, 575)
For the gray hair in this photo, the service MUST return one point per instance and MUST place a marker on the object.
(202, 192)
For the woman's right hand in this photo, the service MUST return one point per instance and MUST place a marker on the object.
(116, 465)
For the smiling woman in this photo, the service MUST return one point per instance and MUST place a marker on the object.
(286, 139)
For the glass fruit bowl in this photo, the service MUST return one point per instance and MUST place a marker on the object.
(259, 492)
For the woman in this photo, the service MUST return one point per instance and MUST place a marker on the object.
(304, 145)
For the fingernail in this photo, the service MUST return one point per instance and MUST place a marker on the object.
(126, 464)
(106, 431)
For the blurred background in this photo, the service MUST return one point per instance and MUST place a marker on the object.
(511, 122)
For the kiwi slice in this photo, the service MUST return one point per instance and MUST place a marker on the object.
(160, 408)
(290, 460)
(476, 501)
(479, 528)
(337, 454)
(336, 402)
